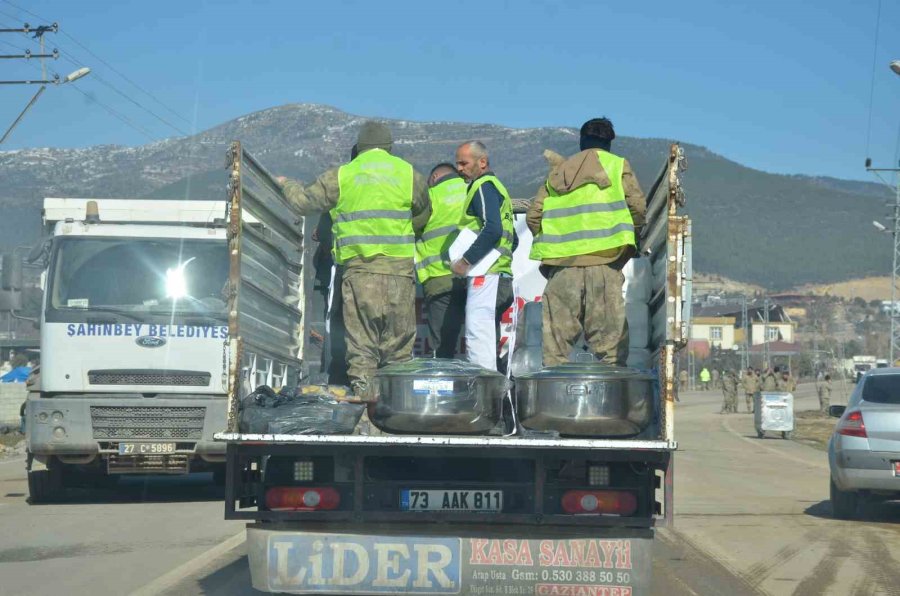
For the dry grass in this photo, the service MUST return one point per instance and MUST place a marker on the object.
(869, 288)
(813, 428)
(11, 439)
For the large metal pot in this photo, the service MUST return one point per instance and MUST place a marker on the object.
(437, 396)
(593, 400)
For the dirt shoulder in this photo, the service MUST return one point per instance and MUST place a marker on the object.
(813, 428)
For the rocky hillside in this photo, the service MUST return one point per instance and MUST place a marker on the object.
(771, 230)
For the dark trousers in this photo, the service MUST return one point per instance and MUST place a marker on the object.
(446, 314)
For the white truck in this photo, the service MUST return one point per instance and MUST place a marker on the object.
(331, 514)
(134, 335)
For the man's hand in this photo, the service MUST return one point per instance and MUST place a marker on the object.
(281, 179)
(461, 267)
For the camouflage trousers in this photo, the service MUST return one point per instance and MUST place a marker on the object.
(730, 403)
(588, 300)
(380, 322)
(749, 397)
(824, 398)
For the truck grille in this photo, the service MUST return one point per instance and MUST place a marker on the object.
(118, 422)
(183, 378)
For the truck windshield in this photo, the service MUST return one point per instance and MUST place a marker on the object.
(140, 275)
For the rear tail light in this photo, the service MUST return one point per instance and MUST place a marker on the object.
(302, 498)
(614, 502)
(852, 425)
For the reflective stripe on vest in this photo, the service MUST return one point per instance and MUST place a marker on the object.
(374, 179)
(447, 201)
(586, 220)
(504, 246)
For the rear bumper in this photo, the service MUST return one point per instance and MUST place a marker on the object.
(64, 425)
(344, 559)
(865, 470)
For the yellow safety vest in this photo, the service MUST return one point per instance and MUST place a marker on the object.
(447, 201)
(586, 220)
(504, 263)
(373, 215)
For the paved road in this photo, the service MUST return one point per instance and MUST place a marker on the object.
(752, 517)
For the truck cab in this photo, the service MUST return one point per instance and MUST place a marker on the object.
(133, 342)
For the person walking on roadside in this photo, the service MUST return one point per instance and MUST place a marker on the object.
(704, 379)
(586, 218)
(751, 388)
(377, 203)
(445, 293)
(487, 211)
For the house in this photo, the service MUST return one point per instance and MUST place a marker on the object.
(711, 323)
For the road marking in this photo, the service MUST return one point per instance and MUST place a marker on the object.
(760, 443)
(172, 578)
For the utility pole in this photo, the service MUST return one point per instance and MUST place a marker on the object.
(895, 232)
(766, 332)
(745, 353)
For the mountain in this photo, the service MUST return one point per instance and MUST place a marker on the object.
(774, 230)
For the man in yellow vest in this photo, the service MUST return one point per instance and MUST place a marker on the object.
(376, 202)
(445, 293)
(488, 212)
(585, 220)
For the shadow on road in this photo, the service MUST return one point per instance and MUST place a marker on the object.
(880, 512)
(194, 488)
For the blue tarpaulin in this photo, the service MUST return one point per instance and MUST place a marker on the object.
(16, 375)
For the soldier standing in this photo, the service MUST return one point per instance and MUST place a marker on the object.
(825, 394)
(786, 382)
(769, 381)
(729, 389)
(376, 202)
(585, 219)
(751, 387)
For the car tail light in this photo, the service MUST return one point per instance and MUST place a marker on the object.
(302, 498)
(852, 425)
(615, 502)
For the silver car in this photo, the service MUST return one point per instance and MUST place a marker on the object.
(864, 451)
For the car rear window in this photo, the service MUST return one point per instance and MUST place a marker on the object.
(882, 389)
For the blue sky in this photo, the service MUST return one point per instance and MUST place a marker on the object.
(779, 86)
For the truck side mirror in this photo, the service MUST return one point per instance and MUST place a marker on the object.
(11, 275)
(836, 411)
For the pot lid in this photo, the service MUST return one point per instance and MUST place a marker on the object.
(588, 370)
(437, 367)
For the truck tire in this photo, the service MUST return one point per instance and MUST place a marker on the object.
(45, 486)
(843, 503)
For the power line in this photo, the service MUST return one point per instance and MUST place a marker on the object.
(110, 66)
(872, 85)
(94, 75)
(124, 119)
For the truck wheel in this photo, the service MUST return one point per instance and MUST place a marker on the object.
(843, 504)
(45, 486)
